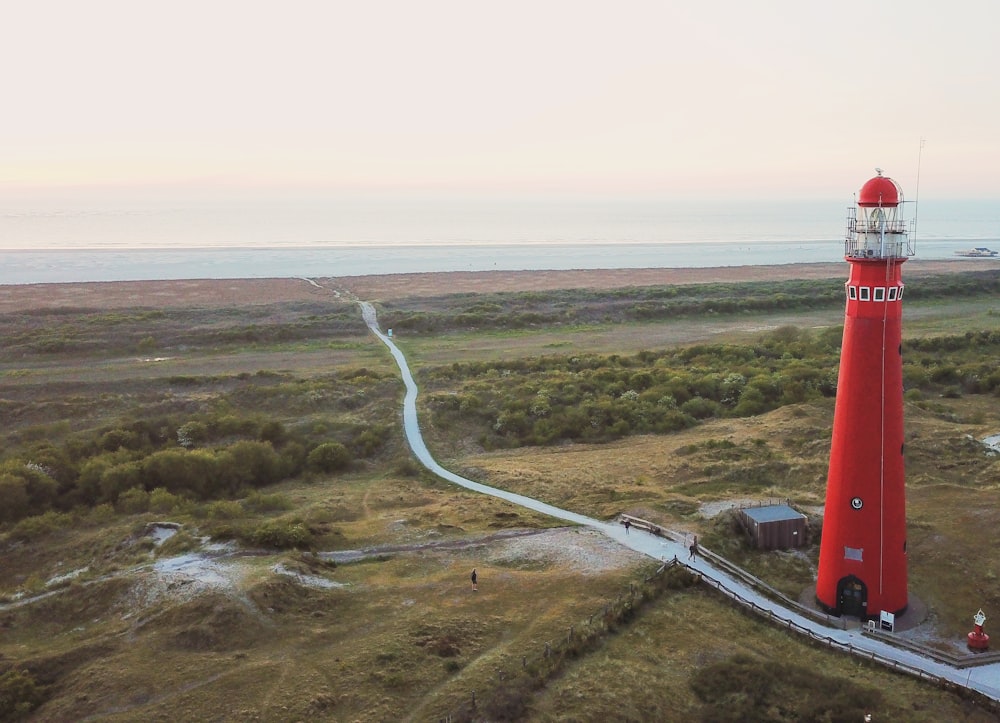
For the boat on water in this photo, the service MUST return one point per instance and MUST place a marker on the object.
(978, 252)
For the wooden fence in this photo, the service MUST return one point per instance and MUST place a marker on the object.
(603, 620)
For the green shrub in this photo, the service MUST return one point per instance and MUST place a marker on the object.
(164, 501)
(329, 457)
(20, 694)
(282, 534)
(225, 510)
(14, 493)
(32, 528)
(133, 502)
(259, 502)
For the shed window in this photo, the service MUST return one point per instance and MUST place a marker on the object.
(864, 293)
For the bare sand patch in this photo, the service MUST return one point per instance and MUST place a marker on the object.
(242, 292)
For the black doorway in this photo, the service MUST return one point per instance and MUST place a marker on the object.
(852, 597)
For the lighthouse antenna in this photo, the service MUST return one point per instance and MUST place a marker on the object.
(916, 198)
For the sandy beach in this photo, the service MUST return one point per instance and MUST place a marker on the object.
(241, 292)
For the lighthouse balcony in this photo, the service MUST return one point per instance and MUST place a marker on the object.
(878, 246)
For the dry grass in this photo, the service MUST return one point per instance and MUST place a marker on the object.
(404, 637)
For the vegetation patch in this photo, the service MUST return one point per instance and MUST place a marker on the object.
(745, 687)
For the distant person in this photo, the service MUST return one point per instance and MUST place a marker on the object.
(693, 550)
(475, 580)
(627, 525)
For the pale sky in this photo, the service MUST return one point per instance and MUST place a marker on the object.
(727, 98)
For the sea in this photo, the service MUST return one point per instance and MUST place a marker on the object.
(68, 239)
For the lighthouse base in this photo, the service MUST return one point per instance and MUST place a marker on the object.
(910, 617)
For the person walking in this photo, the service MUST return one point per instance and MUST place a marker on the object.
(475, 580)
(693, 550)
(628, 524)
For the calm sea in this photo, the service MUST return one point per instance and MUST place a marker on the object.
(49, 240)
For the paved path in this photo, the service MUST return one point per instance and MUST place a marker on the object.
(985, 679)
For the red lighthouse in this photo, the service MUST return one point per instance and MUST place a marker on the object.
(862, 559)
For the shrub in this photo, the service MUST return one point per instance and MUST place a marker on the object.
(14, 493)
(329, 457)
(191, 434)
(258, 502)
(19, 694)
(273, 432)
(164, 501)
(133, 501)
(251, 463)
(225, 510)
(116, 439)
(282, 534)
(31, 528)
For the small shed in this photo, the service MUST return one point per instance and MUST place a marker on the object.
(774, 527)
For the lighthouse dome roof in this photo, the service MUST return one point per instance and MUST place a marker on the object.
(880, 191)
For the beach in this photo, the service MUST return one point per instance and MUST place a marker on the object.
(242, 292)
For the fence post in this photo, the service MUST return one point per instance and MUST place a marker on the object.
(473, 700)
(524, 661)
(548, 650)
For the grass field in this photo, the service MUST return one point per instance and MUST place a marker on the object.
(102, 620)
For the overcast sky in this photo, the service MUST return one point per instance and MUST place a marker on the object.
(714, 98)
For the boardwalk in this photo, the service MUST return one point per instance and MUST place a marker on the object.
(984, 679)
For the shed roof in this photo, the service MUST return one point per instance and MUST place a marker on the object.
(772, 513)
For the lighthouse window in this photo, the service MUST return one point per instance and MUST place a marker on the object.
(852, 293)
(854, 553)
(879, 293)
(892, 292)
(900, 294)
(865, 293)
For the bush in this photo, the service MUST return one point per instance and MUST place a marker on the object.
(225, 510)
(282, 534)
(14, 493)
(164, 501)
(31, 528)
(329, 457)
(19, 694)
(258, 502)
(133, 502)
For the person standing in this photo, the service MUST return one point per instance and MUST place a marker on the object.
(475, 580)
(693, 550)
(628, 524)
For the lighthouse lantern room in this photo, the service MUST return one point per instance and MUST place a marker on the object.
(862, 563)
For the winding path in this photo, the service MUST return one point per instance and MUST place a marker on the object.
(984, 679)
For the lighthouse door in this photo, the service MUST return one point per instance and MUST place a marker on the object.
(853, 597)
